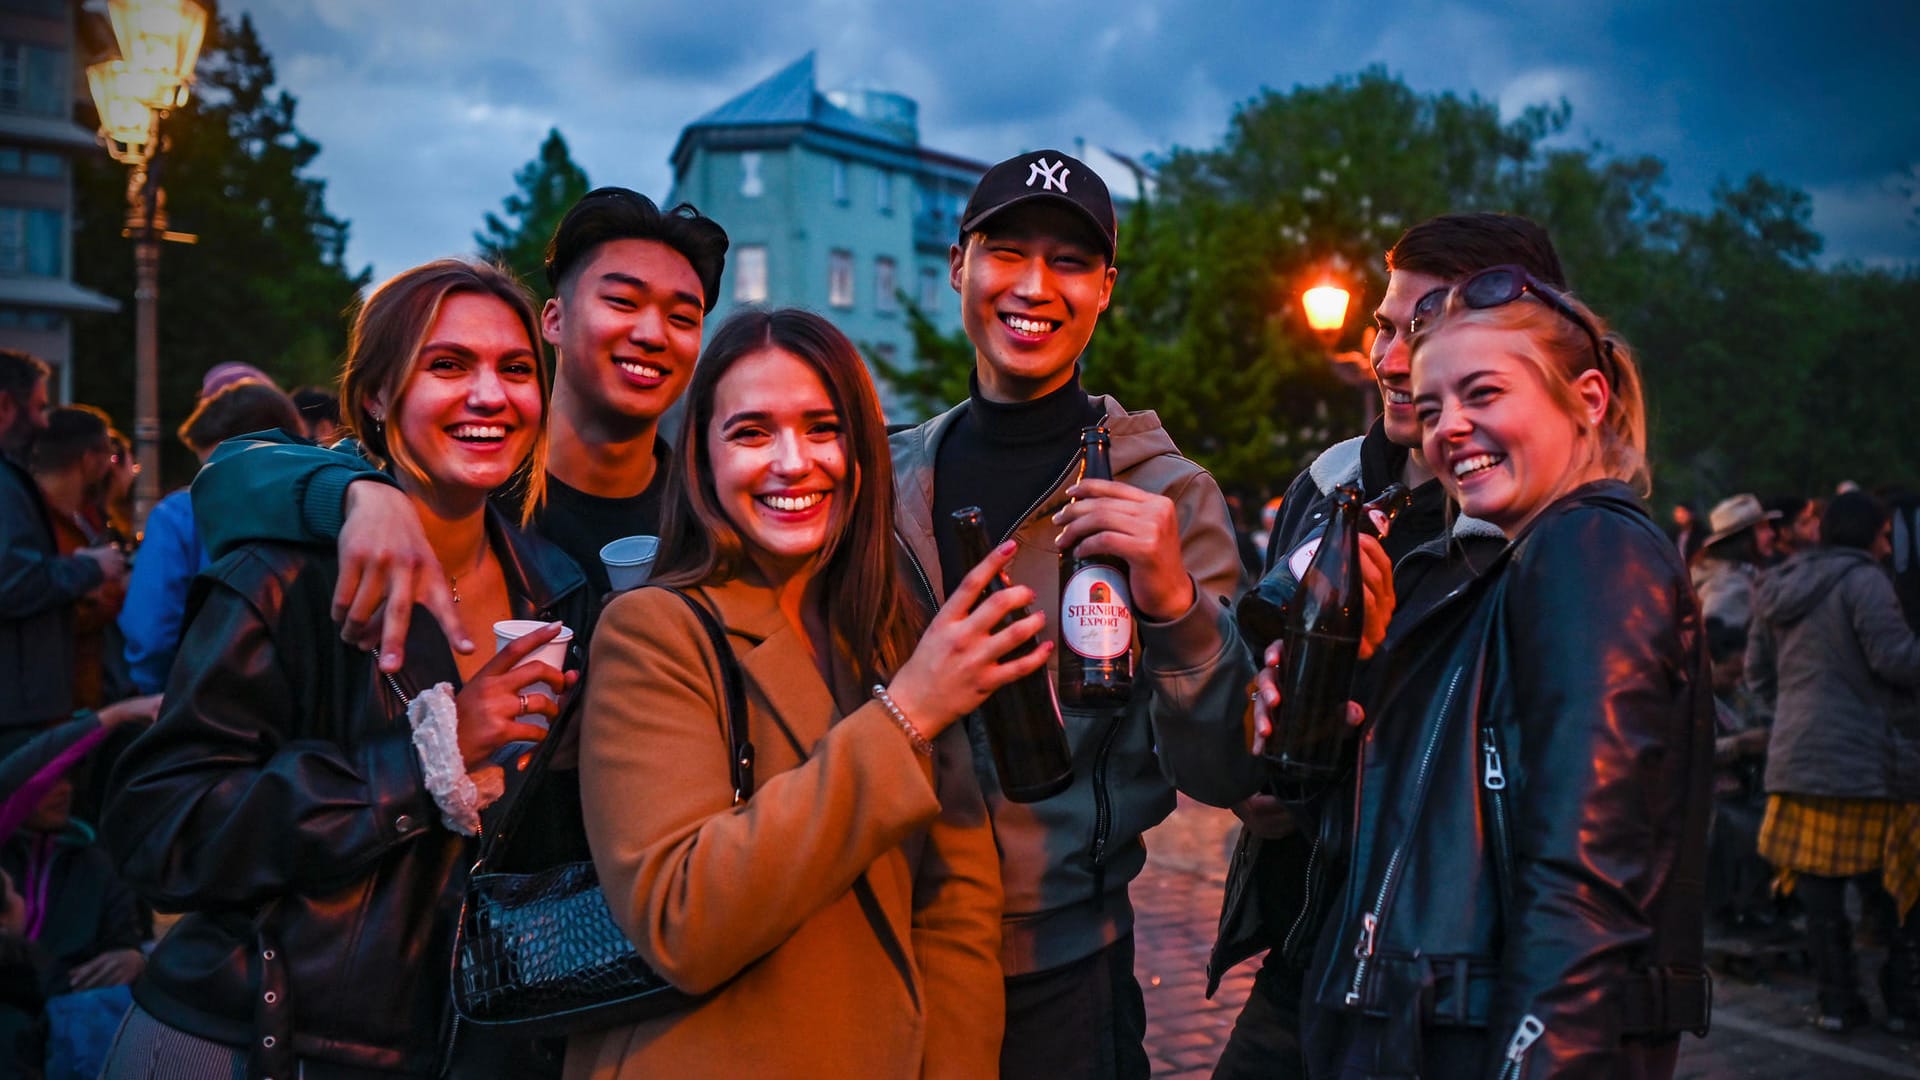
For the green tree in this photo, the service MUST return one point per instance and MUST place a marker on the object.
(1204, 326)
(937, 374)
(548, 185)
(265, 283)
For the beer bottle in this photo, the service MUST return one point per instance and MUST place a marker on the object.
(1261, 612)
(1096, 611)
(1321, 629)
(1024, 732)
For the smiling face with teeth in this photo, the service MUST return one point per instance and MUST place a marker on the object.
(626, 324)
(1504, 445)
(1033, 280)
(778, 460)
(469, 411)
(1390, 355)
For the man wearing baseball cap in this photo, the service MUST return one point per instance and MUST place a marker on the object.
(1034, 267)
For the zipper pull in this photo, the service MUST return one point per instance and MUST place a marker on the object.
(1494, 776)
(1368, 924)
(1524, 1036)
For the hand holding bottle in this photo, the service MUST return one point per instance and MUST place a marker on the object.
(962, 657)
(1267, 698)
(1140, 528)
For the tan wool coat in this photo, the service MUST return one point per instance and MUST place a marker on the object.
(755, 904)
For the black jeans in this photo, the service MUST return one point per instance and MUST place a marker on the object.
(1265, 1044)
(1083, 1021)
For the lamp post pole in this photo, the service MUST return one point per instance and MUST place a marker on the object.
(142, 211)
(159, 43)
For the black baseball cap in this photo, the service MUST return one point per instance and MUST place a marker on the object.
(1043, 174)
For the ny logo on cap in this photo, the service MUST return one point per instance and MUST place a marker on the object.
(1054, 175)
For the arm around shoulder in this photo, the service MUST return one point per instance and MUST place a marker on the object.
(271, 486)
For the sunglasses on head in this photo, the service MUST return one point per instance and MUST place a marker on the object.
(1494, 286)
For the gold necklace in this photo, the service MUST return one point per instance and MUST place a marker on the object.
(453, 580)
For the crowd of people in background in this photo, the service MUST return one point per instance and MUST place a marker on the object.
(248, 752)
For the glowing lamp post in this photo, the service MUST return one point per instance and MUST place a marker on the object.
(159, 44)
(1326, 311)
(1326, 308)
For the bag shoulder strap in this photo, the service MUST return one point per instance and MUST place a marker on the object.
(740, 744)
(739, 740)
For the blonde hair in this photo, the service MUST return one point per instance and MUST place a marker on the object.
(391, 325)
(1561, 352)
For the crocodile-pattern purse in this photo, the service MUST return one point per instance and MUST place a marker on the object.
(538, 952)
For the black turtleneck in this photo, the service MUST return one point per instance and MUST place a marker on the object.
(1003, 458)
(1381, 463)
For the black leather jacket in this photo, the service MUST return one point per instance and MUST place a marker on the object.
(279, 802)
(1528, 831)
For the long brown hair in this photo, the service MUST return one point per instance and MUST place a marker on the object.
(389, 328)
(873, 624)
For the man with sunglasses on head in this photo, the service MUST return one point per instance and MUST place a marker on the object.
(1280, 879)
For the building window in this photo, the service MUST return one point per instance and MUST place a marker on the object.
(31, 242)
(883, 191)
(750, 274)
(840, 278)
(751, 185)
(839, 171)
(929, 290)
(884, 285)
(17, 162)
(32, 79)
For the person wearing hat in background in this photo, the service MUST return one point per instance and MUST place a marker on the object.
(1832, 653)
(222, 375)
(1034, 267)
(1728, 563)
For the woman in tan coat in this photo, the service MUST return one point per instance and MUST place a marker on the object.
(844, 920)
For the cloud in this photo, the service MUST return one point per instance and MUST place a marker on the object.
(425, 110)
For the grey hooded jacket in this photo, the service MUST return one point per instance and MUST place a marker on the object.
(1832, 654)
(1065, 861)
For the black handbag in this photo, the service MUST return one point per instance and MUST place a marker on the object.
(538, 952)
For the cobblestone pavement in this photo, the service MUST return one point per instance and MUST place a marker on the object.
(1760, 1028)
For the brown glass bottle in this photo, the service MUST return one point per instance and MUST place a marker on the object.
(1262, 611)
(1322, 635)
(1024, 732)
(1096, 610)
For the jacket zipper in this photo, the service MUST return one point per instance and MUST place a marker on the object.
(1042, 500)
(918, 570)
(1370, 922)
(1524, 1037)
(1494, 777)
(1306, 904)
(1102, 809)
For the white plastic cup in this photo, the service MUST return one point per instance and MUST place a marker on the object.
(553, 652)
(629, 561)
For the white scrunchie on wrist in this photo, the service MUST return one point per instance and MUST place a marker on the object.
(436, 738)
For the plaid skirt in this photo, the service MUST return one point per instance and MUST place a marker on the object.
(1833, 836)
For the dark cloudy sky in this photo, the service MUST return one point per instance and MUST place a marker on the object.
(424, 109)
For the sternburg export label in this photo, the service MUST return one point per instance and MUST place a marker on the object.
(1096, 616)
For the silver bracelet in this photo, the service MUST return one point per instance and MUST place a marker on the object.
(918, 740)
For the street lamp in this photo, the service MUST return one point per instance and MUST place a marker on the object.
(159, 44)
(1326, 308)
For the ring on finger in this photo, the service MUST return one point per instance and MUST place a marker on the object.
(523, 704)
